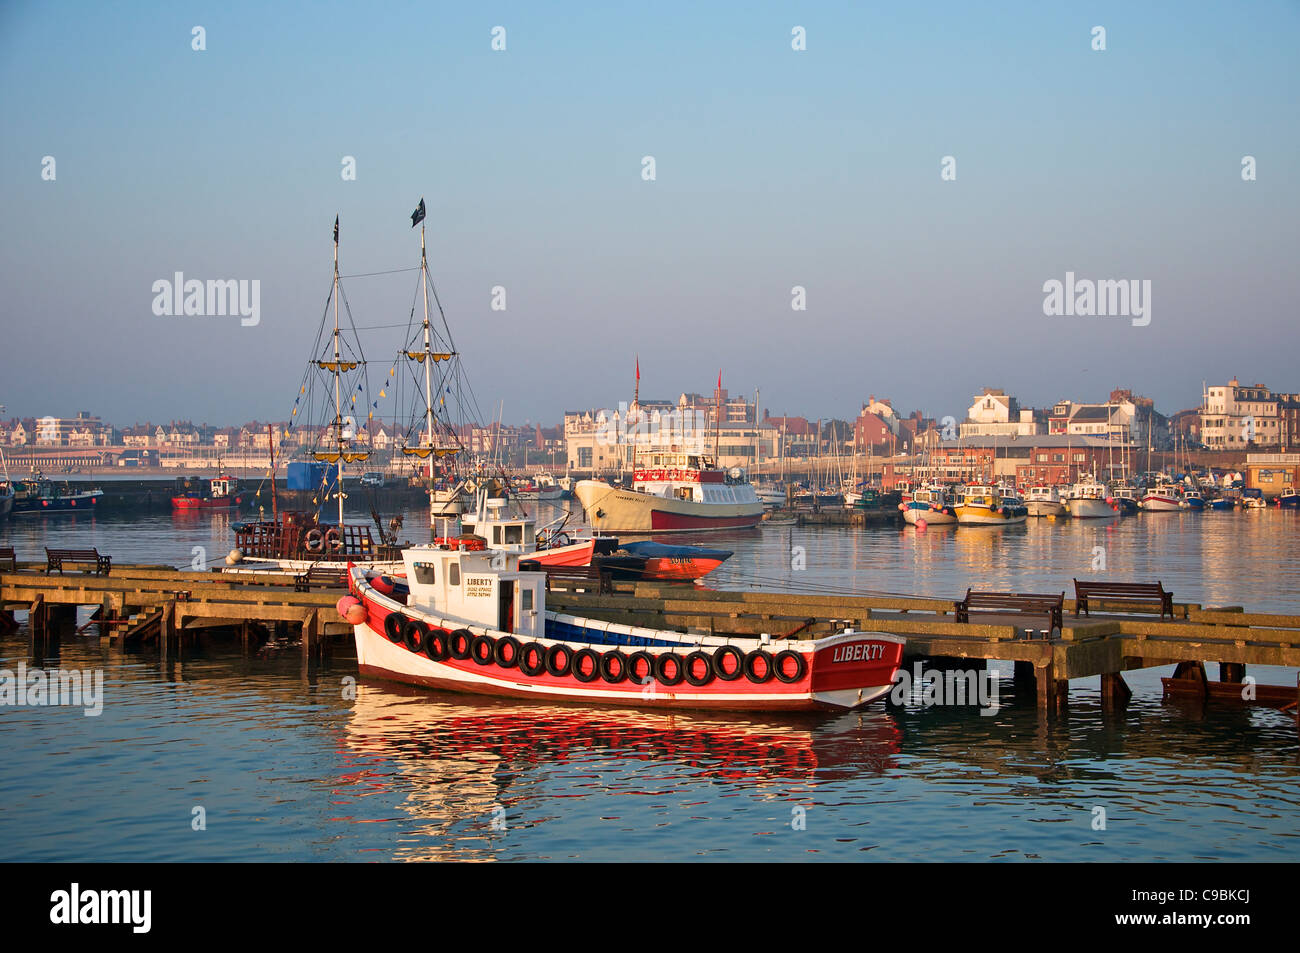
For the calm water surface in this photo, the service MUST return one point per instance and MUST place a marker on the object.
(293, 765)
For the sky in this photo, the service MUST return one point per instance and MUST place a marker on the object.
(774, 168)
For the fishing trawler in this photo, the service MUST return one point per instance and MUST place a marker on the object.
(476, 622)
(672, 492)
(39, 495)
(1162, 498)
(929, 505)
(1045, 501)
(981, 505)
(216, 493)
(1091, 500)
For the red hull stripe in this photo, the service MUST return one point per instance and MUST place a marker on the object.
(666, 521)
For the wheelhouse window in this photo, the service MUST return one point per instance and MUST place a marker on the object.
(514, 533)
(526, 599)
(425, 574)
(453, 574)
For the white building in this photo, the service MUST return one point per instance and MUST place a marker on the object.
(1233, 416)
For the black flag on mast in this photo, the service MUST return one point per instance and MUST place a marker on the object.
(418, 215)
(336, 229)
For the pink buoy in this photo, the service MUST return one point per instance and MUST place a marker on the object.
(921, 524)
(345, 604)
(356, 615)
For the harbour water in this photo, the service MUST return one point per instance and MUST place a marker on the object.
(292, 765)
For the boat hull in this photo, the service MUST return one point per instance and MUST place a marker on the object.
(613, 510)
(201, 503)
(843, 671)
(63, 504)
(1045, 508)
(912, 512)
(1161, 504)
(1091, 509)
(983, 516)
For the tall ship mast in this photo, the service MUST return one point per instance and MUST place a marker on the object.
(336, 433)
(438, 403)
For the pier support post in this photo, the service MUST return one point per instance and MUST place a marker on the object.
(1023, 675)
(1115, 692)
(1234, 672)
(1194, 672)
(1053, 692)
(310, 637)
(36, 622)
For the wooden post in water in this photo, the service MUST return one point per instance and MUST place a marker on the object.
(1115, 693)
(1234, 672)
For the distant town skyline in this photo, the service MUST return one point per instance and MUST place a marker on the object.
(824, 203)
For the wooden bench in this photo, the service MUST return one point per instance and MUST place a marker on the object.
(1140, 593)
(8, 560)
(55, 558)
(1023, 603)
(323, 577)
(601, 578)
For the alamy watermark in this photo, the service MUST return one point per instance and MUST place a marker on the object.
(38, 688)
(1128, 298)
(212, 298)
(675, 427)
(931, 688)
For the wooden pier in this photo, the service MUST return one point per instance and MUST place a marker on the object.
(1106, 643)
(158, 606)
(139, 605)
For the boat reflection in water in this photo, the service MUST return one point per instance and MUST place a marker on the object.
(459, 768)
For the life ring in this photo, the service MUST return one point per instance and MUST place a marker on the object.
(613, 666)
(698, 658)
(720, 668)
(559, 660)
(393, 625)
(779, 666)
(581, 659)
(333, 539)
(506, 651)
(414, 634)
(435, 645)
(664, 662)
(634, 672)
(315, 541)
(751, 671)
(459, 644)
(532, 659)
(482, 650)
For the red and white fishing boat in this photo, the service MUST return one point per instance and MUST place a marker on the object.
(1163, 498)
(460, 622)
(219, 494)
(672, 492)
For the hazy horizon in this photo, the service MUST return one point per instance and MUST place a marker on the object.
(775, 168)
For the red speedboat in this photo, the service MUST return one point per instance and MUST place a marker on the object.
(475, 622)
(217, 493)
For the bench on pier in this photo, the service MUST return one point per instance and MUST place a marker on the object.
(1024, 603)
(56, 558)
(602, 579)
(8, 560)
(322, 577)
(1138, 593)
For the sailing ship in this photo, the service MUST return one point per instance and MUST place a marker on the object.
(476, 622)
(293, 541)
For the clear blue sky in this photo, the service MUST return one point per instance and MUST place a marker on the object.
(775, 168)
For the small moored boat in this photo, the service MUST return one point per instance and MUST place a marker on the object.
(460, 622)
